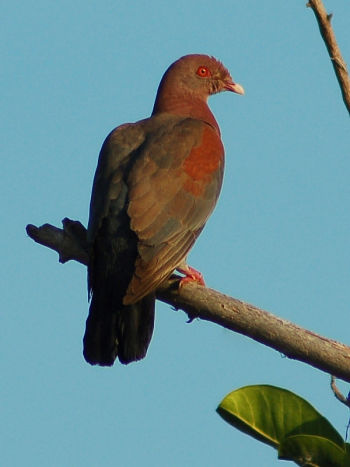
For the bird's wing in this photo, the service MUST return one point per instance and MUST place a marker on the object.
(115, 155)
(172, 189)
(110, 238)
(113, 329)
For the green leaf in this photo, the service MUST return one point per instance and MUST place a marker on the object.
(270, 414)
(347, 455)
(308, 450)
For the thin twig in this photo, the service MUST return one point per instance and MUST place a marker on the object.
(341, 398)
(327, 33)
(207, 304)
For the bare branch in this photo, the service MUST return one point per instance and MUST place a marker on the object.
(327, 33)
(70, 243)
(282, 335)
(207, 304)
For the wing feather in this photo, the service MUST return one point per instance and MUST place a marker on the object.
(168, 207)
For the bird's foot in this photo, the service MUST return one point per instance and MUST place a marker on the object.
(191, 275)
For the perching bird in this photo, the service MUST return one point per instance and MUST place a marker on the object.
(156, 183)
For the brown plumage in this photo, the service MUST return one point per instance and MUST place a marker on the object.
(156, 183)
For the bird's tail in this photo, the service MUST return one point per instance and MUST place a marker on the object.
(123, 331)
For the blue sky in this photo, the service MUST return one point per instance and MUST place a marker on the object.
(279, 237)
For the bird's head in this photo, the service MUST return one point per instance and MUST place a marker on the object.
(198, 76)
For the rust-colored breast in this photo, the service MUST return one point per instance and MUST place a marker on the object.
(203, 161)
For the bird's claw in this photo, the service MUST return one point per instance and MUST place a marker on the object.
(191, 275)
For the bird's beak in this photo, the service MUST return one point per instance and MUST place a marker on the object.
(234, 87)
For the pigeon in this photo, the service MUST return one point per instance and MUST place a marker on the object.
(156, 184)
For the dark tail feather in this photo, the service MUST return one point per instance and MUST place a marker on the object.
(124, 332)
(136, 324)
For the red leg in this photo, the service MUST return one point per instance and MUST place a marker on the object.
(191, 275)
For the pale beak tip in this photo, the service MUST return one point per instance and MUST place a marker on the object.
(235, 87)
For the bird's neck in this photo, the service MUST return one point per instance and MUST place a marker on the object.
(186, 106)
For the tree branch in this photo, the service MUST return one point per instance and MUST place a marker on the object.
(207, 304)
(327, 33)
(69, 242)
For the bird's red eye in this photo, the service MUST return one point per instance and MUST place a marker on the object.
(203, 72)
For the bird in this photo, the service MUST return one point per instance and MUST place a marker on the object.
(157, 182)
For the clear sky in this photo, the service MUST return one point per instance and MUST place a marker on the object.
(279, 237)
